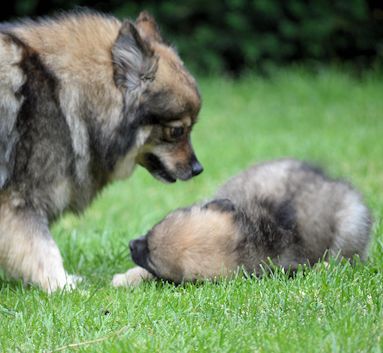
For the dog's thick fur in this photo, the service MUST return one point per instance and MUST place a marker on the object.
(84, 98)
(285, 211)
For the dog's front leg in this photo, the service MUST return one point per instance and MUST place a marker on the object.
(28, 251)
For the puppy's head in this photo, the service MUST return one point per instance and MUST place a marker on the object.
(189, 244)
(161, 98)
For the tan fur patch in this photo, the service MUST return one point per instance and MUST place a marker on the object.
(147, 27)
(198, 243)
(88, 40)
(170, 73)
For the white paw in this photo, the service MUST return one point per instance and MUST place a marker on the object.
(131, 278)
(119, 280)
(66, 283)
(72, 281)
(45, 269)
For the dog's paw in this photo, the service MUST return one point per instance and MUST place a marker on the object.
(47, 272)
(119, 280)
(131, 278)
(72, 281)
(67, 283)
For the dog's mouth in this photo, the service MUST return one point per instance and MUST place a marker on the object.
(164, 177)
(156, 168)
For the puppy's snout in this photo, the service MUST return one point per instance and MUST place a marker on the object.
(139, 251)
(196, 168)
(131, 246)
(137, 246)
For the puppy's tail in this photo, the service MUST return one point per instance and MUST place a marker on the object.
(354, 222)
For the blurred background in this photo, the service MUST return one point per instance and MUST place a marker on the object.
(236, 36)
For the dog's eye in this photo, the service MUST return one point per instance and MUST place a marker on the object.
(177, 132)
(174, 133)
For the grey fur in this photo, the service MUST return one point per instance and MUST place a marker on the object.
(135, 61)
(286, 211)
(76, 108)
(292, 213)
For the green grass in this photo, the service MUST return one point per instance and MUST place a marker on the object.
(329, 118)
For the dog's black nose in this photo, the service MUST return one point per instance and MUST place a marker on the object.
(196, 168)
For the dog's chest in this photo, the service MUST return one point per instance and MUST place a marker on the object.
(125, 166)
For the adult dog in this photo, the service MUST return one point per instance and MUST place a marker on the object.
(84, 98)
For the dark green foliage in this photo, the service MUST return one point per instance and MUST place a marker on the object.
(235, 35)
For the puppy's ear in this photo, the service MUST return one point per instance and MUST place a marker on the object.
(148, 27)
(222, 205)
(134, 60)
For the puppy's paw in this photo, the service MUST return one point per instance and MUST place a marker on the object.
(119, 280)
(131, 278)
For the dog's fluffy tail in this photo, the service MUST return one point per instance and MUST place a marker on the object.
(354, 224)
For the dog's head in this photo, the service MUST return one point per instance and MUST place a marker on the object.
(161, 102)
(190, 244)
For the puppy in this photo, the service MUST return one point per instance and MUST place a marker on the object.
(84, 99)
(285, 211)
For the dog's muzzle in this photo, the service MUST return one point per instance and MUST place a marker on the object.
(181, 171)
(139, 250)
(140, 254)
(196, 167)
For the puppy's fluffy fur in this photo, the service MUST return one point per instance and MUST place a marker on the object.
(285, 211)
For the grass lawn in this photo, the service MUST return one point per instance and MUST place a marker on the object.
(330, 118)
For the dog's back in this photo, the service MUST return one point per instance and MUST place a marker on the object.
(326, 213)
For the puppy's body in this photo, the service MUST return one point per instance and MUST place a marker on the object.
(311, 214)
(285, 211)
(84, 98)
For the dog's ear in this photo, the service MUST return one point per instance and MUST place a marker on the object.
(222, 205)
(148, 27)
(135, 66)
(134, 60)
